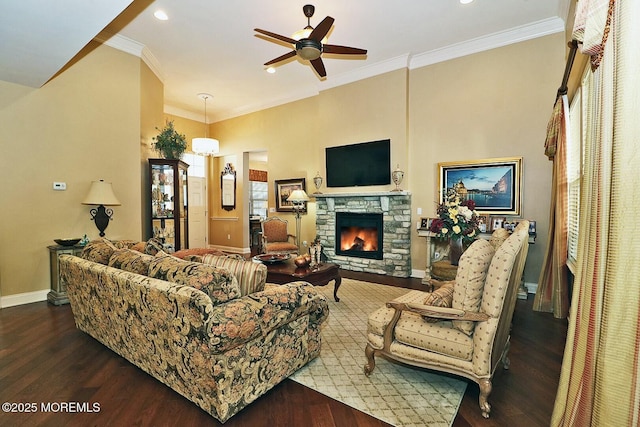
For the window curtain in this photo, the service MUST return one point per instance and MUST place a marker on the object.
(553, 284)
(600, 377)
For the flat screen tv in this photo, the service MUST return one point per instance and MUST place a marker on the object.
(354, 165)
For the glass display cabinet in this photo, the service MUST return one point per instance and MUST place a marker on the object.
(169, 207)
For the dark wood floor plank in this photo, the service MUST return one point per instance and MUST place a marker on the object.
(44, 359)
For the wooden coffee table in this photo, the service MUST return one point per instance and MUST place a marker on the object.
(317, 275)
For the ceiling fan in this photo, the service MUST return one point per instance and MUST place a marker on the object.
(310, 47)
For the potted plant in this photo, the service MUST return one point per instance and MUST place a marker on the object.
(169, 143)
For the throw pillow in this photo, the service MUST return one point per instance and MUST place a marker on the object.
(98, 250)
(251, 275)
(139, 246)
(441, 297)
(219, 284)
(469, 284)
(153, 246)
(130, 260)
(184, 253)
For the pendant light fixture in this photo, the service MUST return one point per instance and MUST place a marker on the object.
(205, 146)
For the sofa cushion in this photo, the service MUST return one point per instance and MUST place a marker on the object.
(130, 260)
(219, 284)
(251, 275)
(98, 250)
(470, 279)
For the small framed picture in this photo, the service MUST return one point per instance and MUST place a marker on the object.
(484, 226)
(425, 223)
(532, 227)
(497, 222)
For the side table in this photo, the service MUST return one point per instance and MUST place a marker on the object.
(58, 293)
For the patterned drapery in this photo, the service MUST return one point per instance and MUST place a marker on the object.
(553, 285)
(257, 175)
(600, 378)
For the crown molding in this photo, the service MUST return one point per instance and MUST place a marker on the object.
(372, 70)
(491, 41)
(132, 47)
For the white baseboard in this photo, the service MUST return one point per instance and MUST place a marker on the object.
(418, 273)
(531, 287)
(25, 298)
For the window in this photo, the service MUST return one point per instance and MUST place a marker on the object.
(573, 176)
(258, 199)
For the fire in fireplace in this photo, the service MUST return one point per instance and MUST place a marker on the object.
(359, 234)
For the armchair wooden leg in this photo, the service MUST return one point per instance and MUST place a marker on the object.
(485, 391)
(506, 363)
(371, 362)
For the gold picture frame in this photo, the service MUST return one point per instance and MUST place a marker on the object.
(494, 184)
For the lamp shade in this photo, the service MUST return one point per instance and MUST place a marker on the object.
(205, 146)
(297, 196)
(101, 193)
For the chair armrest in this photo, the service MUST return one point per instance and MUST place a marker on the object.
(439, 312)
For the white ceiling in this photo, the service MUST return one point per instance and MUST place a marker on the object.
(210, 46)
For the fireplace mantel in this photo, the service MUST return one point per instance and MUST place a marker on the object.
(371, 194)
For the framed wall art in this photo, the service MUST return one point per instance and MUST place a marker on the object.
(495, 185)
(284, 188)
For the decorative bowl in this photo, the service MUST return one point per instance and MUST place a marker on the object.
(67, 241)
(302, 261)
(272, 258)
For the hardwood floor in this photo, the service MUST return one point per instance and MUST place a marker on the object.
(46, 361)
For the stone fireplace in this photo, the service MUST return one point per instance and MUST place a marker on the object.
(345, 224)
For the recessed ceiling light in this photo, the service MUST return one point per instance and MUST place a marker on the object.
(161, 15)
(465, 1)
(271, 70)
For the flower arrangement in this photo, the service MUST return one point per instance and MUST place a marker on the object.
(169, 142)
(456, 219)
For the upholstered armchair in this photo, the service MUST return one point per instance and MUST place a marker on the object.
(462, 327)
(276, 238)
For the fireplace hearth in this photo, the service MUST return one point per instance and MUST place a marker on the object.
(359, 235)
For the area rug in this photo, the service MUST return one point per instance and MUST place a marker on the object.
(399, 395)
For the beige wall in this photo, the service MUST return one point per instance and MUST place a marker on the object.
(84, 125)
(488, 105)
(491, 104)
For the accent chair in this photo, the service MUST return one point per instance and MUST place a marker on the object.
(276, 238)
(463, 327)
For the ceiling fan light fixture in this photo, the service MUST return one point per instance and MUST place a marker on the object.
(308, 49)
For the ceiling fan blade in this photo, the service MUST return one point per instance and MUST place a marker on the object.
(282, 58)
(275, 36)
(343, 50)
(318, 65)
(322, 29)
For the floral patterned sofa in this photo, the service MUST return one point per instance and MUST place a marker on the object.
(188, 325)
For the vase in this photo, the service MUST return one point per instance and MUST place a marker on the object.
(455, 250)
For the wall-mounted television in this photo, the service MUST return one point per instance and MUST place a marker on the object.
(355, 165)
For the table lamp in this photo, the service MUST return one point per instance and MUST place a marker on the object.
(101, 194)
